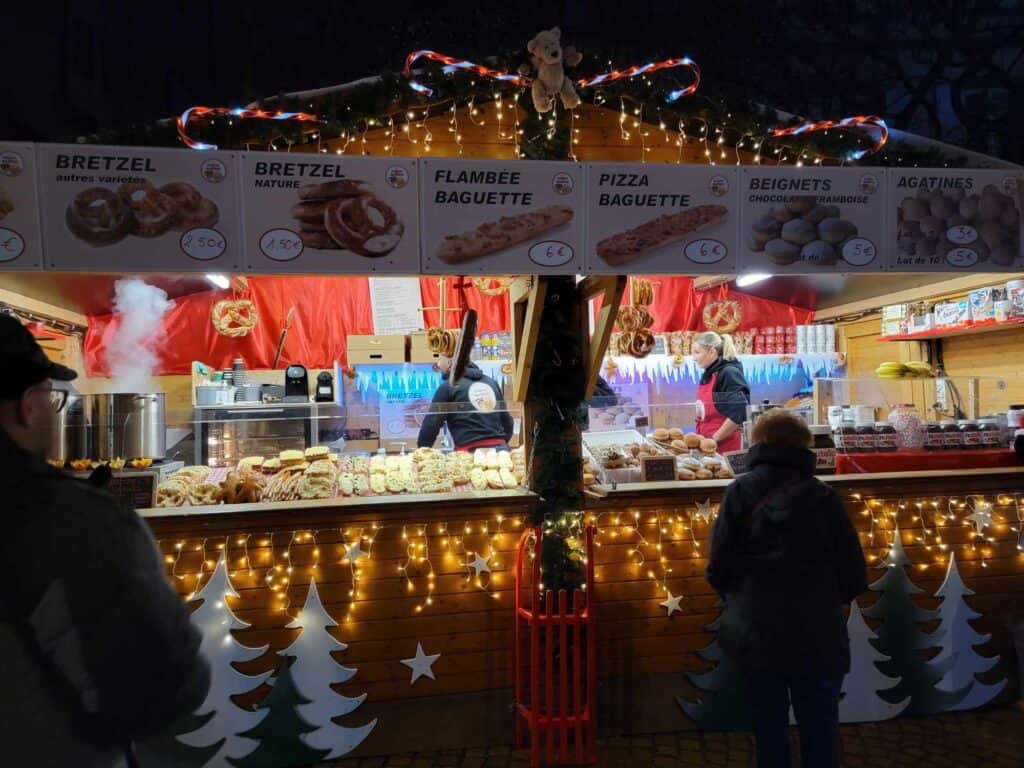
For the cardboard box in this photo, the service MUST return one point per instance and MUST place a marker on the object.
(419, 349)
(982, 303)
(952, 313)
(895, 311)
(376, 349)
(920, 323)
(892, 327)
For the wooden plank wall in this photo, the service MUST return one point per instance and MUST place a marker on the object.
(637, 639)
(639, 645)
(998, 354)
(598, 133)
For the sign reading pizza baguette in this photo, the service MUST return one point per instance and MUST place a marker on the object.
(812, 219)
(501, 218)
(20, 242)
(960, 219)
(661, 219)
(330, 214)
(140, 209)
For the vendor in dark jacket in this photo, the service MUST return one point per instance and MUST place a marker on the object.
(786, 559)
(98, 648)
(473, 409)
(723, 392)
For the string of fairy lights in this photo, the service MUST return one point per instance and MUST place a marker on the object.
(650, 541)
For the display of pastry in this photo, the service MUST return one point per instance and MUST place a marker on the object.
(203, 494)
(478, 477)
(317, 452)
(378, 464)
(291, 458)
(346, 484)
(250, 463)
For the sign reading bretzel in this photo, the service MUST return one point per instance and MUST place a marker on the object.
(330, 214)
(20, 241)
(139, 209)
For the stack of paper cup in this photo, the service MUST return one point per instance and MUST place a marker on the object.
(801, 339)
(830, 339)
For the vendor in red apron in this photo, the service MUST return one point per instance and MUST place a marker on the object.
(723, 393)
(473, 410)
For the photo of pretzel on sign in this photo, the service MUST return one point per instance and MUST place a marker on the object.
(347, 215)
(723, 316)
(493, 236)
(658, 232)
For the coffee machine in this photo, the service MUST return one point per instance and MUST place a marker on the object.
(296, 384)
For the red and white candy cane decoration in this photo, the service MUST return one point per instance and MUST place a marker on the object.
(450, 65)
(195, 113)
(610, 77)
(865, 123)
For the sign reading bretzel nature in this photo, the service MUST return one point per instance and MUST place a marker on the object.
(664, 219)
(492, 218)
(330, 214)
(139, 209)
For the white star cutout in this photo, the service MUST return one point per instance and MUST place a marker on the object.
(353, 552)
(671, 604)
(421, 664)
(981, 516)
(704, 510)
(480, 564)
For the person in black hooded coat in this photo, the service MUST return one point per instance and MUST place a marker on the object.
(786, 559)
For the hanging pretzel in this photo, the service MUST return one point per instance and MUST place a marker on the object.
(722, 316)
(492, 286)
(234, 317)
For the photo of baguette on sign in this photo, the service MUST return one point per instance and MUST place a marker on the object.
(508, 231)
(347, 215)
(638, 241)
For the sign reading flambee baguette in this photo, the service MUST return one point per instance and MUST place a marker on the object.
(501, 218)
(663, 219)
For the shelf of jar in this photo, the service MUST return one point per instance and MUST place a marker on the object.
(915, 461)
(984, 326)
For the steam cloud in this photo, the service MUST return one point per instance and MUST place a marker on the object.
(132, 355)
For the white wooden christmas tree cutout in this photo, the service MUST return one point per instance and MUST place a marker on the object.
(215, 621)
(959, 640)
(421, 664)
(671, 603)
(860, 702)
(314, 671)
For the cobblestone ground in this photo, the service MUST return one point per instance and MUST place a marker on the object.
(993, 738)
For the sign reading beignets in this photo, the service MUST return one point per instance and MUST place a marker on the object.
(662, 219)
(501, 218)
(330, 214)
(144, 209)
(20, 242)
(797, 219)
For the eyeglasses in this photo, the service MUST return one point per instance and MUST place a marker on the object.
(58, 397)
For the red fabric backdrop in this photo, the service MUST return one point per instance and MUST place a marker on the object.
(329, 309)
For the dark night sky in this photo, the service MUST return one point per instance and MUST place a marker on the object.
(105, 64)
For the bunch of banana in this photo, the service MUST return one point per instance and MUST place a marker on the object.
(916, 369)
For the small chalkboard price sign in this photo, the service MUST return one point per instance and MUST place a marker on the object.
(135, 489)
(657, 468)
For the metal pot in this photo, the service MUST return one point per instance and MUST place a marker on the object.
(71, 437)
(129, 426)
